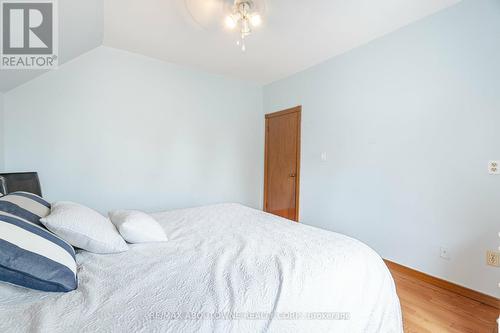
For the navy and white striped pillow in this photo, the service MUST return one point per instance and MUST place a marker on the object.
(25, 205)
(30, 255)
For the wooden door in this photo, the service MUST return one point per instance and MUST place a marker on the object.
(282, 163)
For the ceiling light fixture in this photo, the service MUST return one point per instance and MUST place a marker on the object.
(244, 17)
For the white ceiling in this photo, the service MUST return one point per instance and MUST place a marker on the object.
(80, 30)
(296, 34)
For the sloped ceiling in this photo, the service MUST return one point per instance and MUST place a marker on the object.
(295, 35)
(80, 30)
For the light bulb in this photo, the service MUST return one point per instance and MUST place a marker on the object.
(230, 22)
(256, 20)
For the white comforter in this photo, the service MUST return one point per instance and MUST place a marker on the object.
(226, 268)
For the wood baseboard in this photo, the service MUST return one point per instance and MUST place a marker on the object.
(472, 294)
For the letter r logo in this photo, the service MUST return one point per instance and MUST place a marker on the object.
(27, 27)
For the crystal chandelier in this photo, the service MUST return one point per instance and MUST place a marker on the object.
(243, 16)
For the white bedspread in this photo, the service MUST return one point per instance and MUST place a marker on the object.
(221, 262)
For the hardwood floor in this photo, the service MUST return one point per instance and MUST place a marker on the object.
(427, 308)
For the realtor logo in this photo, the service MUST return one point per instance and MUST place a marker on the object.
(29, 34)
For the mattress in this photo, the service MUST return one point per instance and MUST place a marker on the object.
(225, 268)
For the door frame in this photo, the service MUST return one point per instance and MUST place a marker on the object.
(298, 110)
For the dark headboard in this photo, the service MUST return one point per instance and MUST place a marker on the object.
(20, 181)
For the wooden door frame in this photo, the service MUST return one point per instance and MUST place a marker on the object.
(298, 110)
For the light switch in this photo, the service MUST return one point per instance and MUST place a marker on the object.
(324, 156)
(494, 167)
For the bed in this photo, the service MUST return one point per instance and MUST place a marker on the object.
(225, 268)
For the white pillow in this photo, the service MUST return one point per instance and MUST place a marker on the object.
(84, 228)
(137, 227)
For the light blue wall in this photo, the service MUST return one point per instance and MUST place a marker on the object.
(409, 123)
(114, 129)
(2, 132)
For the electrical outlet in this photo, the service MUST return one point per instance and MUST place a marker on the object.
(493, 258)
(444, 253)
(494, 167)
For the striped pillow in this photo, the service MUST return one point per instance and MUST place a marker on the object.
(25, 205)
(30, 255)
